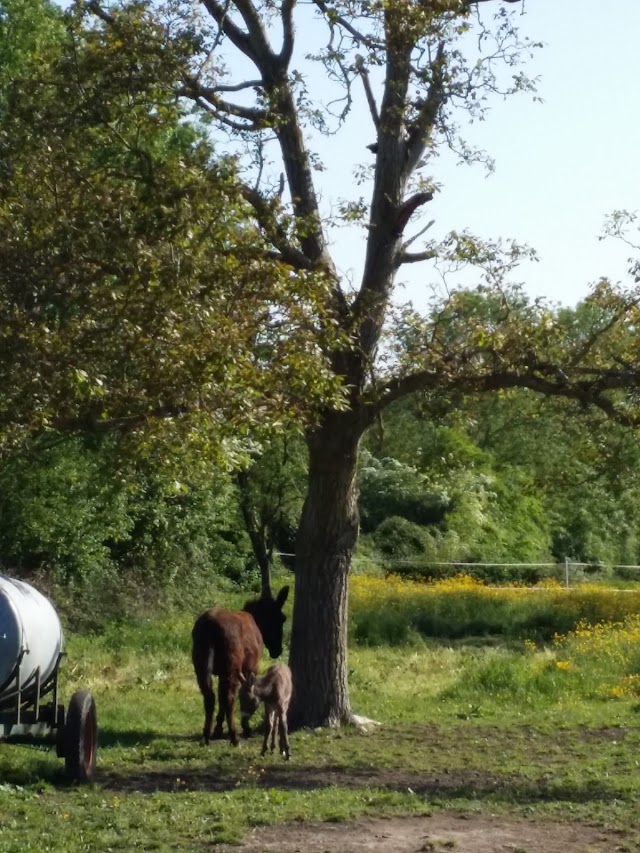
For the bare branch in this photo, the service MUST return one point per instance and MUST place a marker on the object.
(415, 237)
(416, 257)
(257, 35)
(407, 209)
(96, 8)
(359, 37)
(266, 214)
(364, 76)
(195, 90)
(423, 125)
(286, 53)
(247, 126)
(233, 32)
(237, 87)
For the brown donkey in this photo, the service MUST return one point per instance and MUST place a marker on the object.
(229, 644)
(274, 688)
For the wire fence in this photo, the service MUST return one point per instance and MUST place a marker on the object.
(569, 572)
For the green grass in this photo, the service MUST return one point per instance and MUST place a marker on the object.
(467, 726)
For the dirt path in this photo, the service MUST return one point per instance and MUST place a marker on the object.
(435, 834)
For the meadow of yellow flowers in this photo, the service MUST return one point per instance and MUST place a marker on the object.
(584, 639)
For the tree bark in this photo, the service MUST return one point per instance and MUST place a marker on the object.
(326, 538)
(257, 533)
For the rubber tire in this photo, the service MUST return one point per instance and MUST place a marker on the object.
(81, 737)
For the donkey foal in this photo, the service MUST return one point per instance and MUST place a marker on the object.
(274, 689)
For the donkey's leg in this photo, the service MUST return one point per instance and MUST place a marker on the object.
(201, 666)
(283, 734)
(209, 701)
(273, 724)
(268, 722)
(231, 688)
(222, 707)
(245, 721)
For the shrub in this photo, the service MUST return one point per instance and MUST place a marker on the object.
(391, 488)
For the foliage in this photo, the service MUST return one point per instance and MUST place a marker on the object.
(529, 480)
(131, 285)
(28, 30)
(113, 537)
(390, 488)
(489, 508)
(60, 513)
(271, 491)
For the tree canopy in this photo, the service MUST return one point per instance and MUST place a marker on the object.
(132, 284)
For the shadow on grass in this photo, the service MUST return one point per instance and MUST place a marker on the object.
(109, 738)
(463, 785)
(155, 765)
(26, 761)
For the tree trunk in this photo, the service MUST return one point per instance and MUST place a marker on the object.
(327, 535)
(257, 534)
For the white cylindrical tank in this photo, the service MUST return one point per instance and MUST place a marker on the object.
(30, 633)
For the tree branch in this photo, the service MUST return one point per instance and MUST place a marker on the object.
(99, 12)
(196, 91)
(364, 76)
(237, 87)
(257, 34)
(593, 339)
(407, 209)
(415, 237)
(359, 37)
(416, 257)
(233, 32)
(422, 127)
(275, 231)
(91, 423)
(273, 68)
(286, 53)
(587, 392)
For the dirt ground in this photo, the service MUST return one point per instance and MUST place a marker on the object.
(434, 834)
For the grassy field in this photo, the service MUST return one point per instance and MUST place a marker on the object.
(478, 723)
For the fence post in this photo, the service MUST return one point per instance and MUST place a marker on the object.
(566, 572)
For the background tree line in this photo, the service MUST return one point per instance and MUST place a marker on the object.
(507, 479)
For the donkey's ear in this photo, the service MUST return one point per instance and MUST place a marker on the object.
(281, 597)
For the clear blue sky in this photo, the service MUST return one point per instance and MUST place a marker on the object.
(561, 165)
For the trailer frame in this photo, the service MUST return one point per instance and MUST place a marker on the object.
(26, 718)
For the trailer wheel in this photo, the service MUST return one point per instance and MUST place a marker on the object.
(60, 721)
(80, 737)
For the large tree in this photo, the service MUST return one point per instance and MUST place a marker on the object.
(420, 65)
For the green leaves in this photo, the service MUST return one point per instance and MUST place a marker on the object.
(29, 29)
(132, 283)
